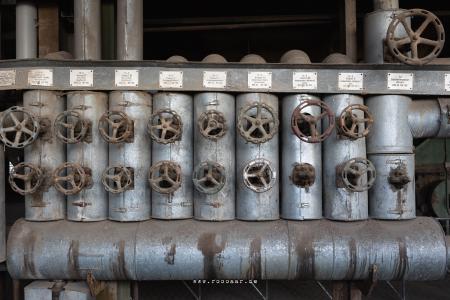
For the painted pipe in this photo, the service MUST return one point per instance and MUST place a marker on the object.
(429, 118)
(26, 29)
(130, 28)
(189, 249)
(87, 33)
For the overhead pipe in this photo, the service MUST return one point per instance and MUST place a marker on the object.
(87, 33)
(130, 26)
(189, 249)
(429, 118)
(26, 29)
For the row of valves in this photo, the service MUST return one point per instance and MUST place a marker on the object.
(257, 123)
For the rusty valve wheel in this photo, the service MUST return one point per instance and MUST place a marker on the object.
(165, 126)
(308, 127)
(303, 175)
(258, 123)
(70, 127)
(115, 127)
(358, 174)
(117, 179)
(209, 177)
(70, 178)
(355, 121)
(400, 46)
(165, 177)
(18, 127)
(26, 178)
(212, 124)
(259, 175)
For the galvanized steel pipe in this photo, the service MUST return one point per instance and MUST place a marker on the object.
(385, 4)
(87, 33)
(130, 28)
(188, 249)
(429, 118)
(26, 29)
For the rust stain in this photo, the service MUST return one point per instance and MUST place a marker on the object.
(305, 259)
(207, 245)
(119, 268)
(28, 255)
(255, 259)
(403, 260)
(37, 199)
(170, 255)
(352, 263)
(73, 259)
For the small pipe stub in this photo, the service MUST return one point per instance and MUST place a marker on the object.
(214, 59)
(177, 59)
(295, 57)
(252, 59)
(303, 175)
(337, 59)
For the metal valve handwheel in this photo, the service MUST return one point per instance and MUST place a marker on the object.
(212, 124)
(70, 178)
(117, 179)
(400, 46)
(209, 177)
(18, 127)
(258, 123)
(26, 178)
(259, 175)
(306, 126)
(165, 126)
(165, 177)
(398, 177)
(303, 175)
(358, 174)
(70, 127)
(355, 121)
(115, 127)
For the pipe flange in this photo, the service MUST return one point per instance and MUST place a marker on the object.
(258, 123)
(303, 175)
(165, 177)
(306, 126)
(358, 174)
(71, 178)
(352, 125)
(117, 179)
(70, 127)
(212, 124)
(116, 127)
(398, 177)
(401, 46)
(26, 178)
(259, 175)
(165, 126)
(18, 127)
(209, 177)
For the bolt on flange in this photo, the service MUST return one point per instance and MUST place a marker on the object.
(28, 175)
(212, 124)
(118, 179)
(352, 125)
(358, 174)
(303, 175)
(71, 178)
(165, 177)
(306, 126)
(116, 127)
(258, 123)
(18, 127)
(209, 177)
(165, 126)
(70, 127)
(259, 175)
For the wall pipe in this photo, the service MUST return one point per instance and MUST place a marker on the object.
(189, 249)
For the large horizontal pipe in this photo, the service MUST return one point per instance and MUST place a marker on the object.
(429, 118)
(188, 249)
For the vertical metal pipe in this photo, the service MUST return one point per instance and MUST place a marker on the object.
(133, 204)
(91, 204)
(385, 4)
(130, 28)
(87, 34)
(2, 207)
(26, 29)
(47, 153)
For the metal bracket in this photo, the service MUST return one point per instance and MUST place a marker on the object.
(95, 287)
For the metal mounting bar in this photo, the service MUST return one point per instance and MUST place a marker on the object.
(235, 77)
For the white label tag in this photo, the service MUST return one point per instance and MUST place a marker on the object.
(304, 80)
(7, 77)
(81, 77)
(127, 78)
(40, 77)
(400, 81)
(171, 79)
(214, 79)
(351, 81)
(447, 82)
(260, 80)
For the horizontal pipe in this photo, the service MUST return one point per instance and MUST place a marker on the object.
(188, 249)
(429, 118)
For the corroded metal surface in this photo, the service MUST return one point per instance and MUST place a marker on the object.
(188, 249)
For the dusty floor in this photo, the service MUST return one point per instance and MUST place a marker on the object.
(286, 290)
